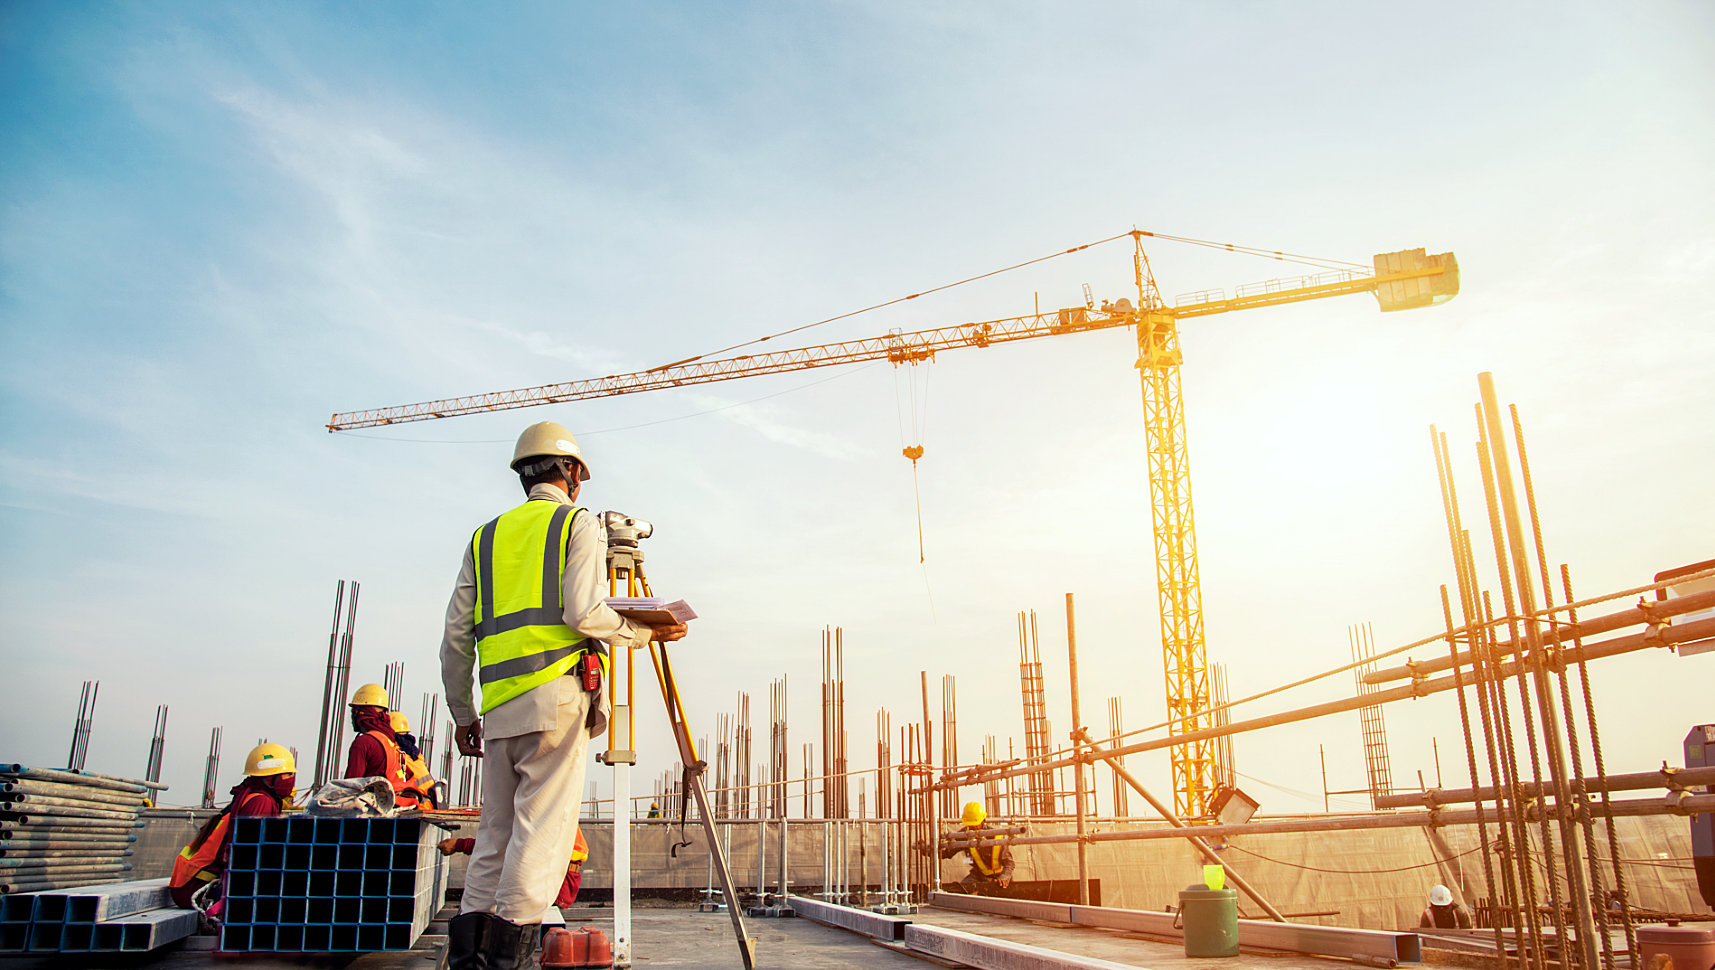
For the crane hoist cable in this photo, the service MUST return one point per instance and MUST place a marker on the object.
(912, 447)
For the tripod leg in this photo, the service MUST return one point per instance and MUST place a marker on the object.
(734, 908)
(694, 769)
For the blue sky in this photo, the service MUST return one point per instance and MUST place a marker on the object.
(222, 223)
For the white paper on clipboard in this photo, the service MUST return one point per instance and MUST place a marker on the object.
(652, 609)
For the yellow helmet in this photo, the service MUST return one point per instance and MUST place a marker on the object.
(545, 438)
(370, 695)
(973, 815)
(397, 722)
(266, 760)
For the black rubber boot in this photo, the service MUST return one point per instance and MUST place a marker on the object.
(466, 941)
(510, 945)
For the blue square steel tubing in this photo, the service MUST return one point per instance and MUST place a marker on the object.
(108, 937)
(324, 857)
(348, 885)
(398, 936)
(272, 855)
(327, 831)
(403, 883)
(298, 855)
(262, 936)
(378, 857)
(275, 830)
(342, 938)
(240, 910)
(316, 937)
(80, 909)
(401, 910)
(372, 911)
(50, 908)
(234, 938)
(347, 911)
(18, 908)
(243, 857)
(351, 857)
(322, 882)
(240, 882)
(294, 883)
(294, 910)
(371, 937)
(246, 831)
(267, 884)
(289, 938)
(45, 936)
(14, 937)
(77, 937)
(354, 831)
(267, 910)
(318, 911)
(300, 830)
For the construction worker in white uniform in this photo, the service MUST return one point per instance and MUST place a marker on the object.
(528, 623)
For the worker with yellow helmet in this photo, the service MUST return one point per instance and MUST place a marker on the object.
(375, 752)
(529, 624)
(991, 861)
(270, 774)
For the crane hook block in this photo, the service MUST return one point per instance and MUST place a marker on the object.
(913, 452)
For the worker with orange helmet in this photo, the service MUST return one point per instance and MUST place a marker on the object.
(270, 773)
(991, 861)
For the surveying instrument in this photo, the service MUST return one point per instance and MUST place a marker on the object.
(625, 561)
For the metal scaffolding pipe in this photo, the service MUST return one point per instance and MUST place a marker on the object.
(46, 808)
(1644, 613)
(74, 777)
(82, 792)
(1682, 803)
(115, 779)
(1673, 779)
(1665, 636)
(45, 802)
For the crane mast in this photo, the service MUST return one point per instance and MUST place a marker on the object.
(1402, 280)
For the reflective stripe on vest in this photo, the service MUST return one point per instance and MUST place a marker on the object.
(394, 769)
(522, 640)
(991, 868)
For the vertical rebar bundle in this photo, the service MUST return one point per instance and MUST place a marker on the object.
(157, 745)
(949, 740)
(85, 723)
(777, 766)
(330, 740)
(1036, 737)
(211, 772)
(393, 681)
(1116, 728)
(723, 765)
(1223, 771)
(426, 727)
(741, 757)
(835, 791)
(1377, 767)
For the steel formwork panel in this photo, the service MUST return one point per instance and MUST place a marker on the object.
(327, 885)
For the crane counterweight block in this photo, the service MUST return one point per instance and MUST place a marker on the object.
(1420, 291)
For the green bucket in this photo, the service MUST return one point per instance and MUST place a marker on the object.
(1211, 919)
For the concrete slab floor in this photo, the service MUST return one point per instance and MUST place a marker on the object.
(1115, 945)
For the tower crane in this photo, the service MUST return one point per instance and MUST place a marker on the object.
(1403, 280)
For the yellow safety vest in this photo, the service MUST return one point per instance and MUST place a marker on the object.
(991, 868)
(522, 640)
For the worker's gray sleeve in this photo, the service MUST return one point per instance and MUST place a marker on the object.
(584, 588)
(458, 644)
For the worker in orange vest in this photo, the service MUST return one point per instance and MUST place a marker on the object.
(417, 777)
(375, 751)
(270, 772)
(574, 872)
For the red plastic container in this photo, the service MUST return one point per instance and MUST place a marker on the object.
(1690, 948)
(584, 947)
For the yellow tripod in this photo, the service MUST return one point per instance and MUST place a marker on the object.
(625, 561)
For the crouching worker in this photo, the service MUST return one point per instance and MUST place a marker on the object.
(1443, 912)
(574, 872)
(269, 776)
(991, 862)
(417, 777)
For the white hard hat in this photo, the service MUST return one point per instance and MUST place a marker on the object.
(1440, 895)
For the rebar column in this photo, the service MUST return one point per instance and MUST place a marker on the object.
(1077, 749)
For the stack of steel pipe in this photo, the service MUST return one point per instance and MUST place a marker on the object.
(64, 829)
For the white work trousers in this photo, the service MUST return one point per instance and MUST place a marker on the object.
(532, 788)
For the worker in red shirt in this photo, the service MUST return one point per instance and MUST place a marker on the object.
(375, 750)
(574, 872)
(270, 773)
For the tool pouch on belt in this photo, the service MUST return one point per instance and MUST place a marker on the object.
(590, 671)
